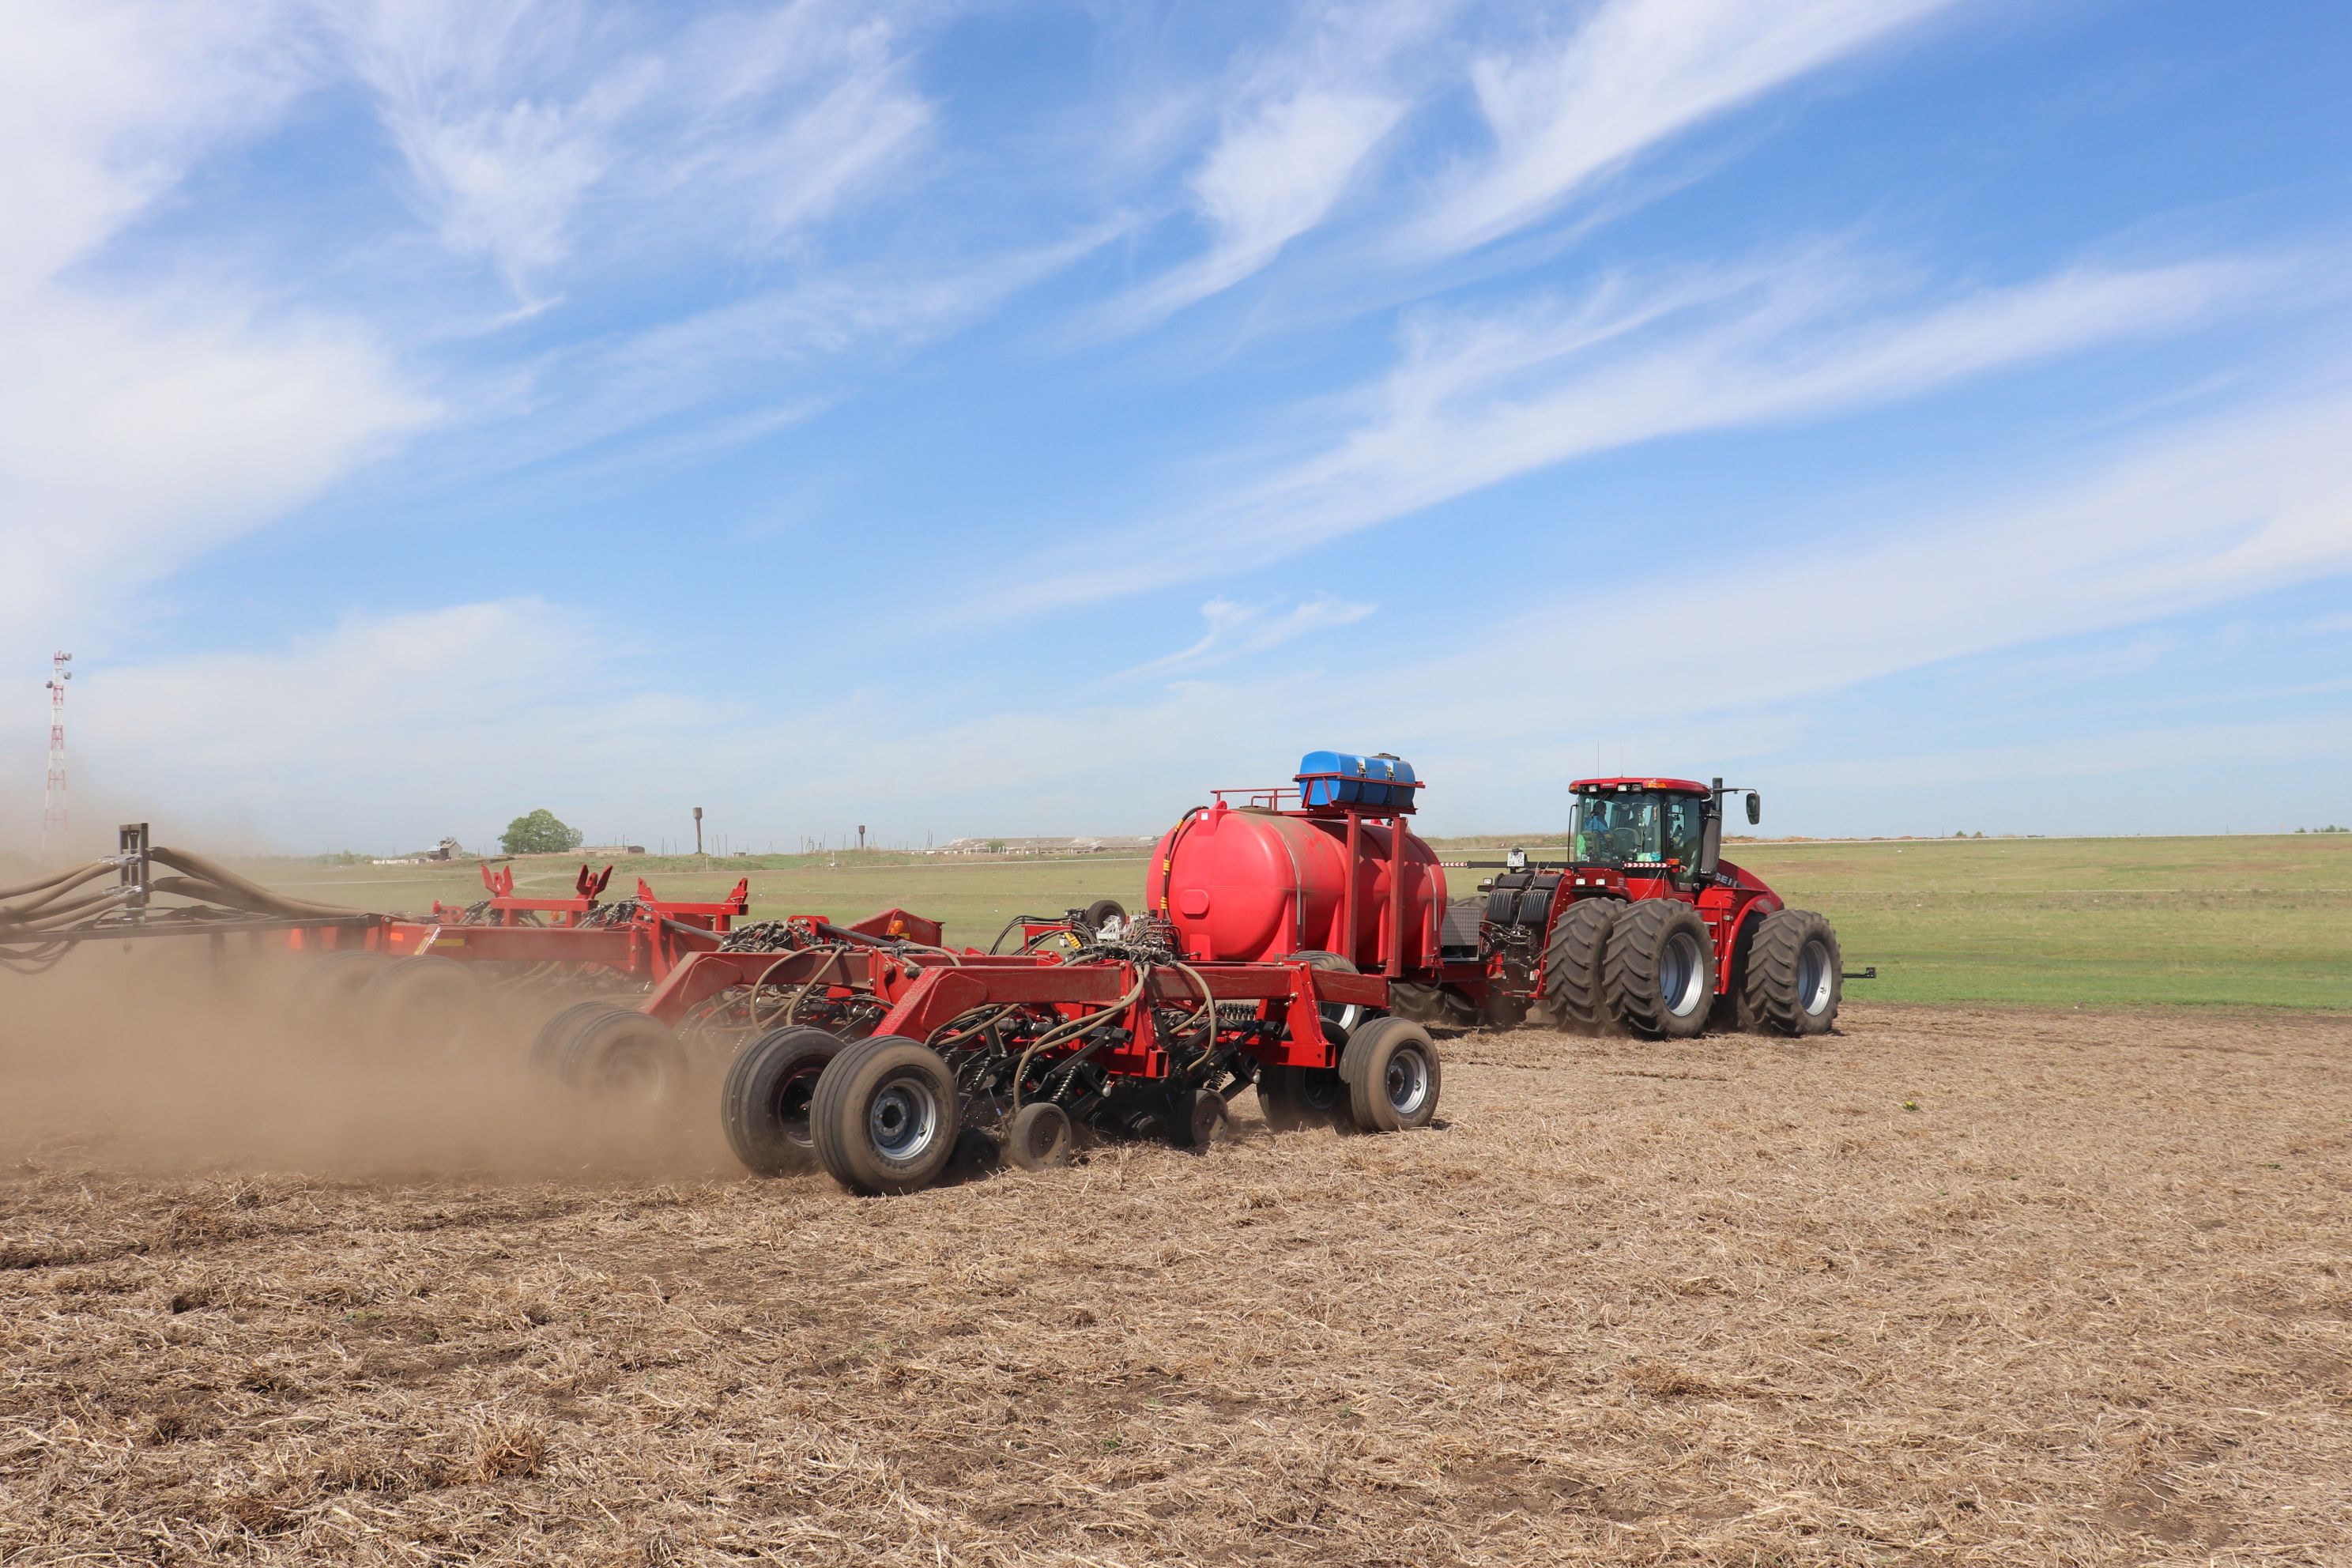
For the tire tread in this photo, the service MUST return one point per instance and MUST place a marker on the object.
(1637, 942)
(1575, 983)
(1768, 987)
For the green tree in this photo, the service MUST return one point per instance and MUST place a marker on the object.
(540, 833)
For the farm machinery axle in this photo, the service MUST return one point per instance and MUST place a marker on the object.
(878, 1057)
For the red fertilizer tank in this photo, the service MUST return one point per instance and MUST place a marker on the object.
(1337, 872)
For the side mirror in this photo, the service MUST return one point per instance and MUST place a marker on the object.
(1755, 808)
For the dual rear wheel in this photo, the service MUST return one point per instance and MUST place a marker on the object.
(1794, 979)
(882, 1115)
(1649, 967)
(1387, 1081)
(615, 1058)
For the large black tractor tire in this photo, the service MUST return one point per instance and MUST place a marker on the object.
(629, 1062)
(1294, 1099)
(1793, 980)
(885, 1116)
(1346, 1014)
(326, 997)
(1391, 1070)
(1575, 985)
(770, 1089)
(1660, 970)
(423, 1006)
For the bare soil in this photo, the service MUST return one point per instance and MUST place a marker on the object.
(1954, 1286)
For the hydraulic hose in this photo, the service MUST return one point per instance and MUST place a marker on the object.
(1078, 1026)
(248, 894)
(78, 874)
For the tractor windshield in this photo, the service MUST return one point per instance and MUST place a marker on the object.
(1620, 827)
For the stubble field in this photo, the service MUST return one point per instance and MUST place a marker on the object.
(1954, 1286)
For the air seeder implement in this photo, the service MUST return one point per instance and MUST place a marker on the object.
(1295, 940)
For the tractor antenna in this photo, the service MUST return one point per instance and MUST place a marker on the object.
(53, 802)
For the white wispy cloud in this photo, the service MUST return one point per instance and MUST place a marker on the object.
(1301, 127)
(307, 739)
(104, 107)
(2192, 515)
(1632, 75)
(1237, 630)
(789, 351)
(517, 117)
(1478, 399)
(144, 423)
(1266, 182)
(297, 743)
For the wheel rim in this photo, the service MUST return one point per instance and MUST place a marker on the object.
(903, 1119)
(1321, 1090)
(1408, 1080)
(1044, 1136)
(1679, 973)
(792, 1097)
(1813, 978)
(633, 1076)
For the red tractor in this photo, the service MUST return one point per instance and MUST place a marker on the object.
(1644, 928)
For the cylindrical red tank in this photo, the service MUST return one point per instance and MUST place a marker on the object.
(1243, 884)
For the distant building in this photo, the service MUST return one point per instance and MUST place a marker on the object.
(1116, 844)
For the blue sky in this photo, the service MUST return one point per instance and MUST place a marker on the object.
(1003, 417)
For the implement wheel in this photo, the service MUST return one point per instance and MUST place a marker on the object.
(1296, 1098)
(1201, 1120)
(1346, 1014)
(1040, 1136)
(765, 1105)
(423, 1006)
(1795, 979)
(1661, 969)
(1574, 987)
(1390, 1070)
(554, 1041)
(326, 996)
(628, 1060)
(1293, 1098)
(885, 1116)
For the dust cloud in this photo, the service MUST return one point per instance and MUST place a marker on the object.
(154, 1057)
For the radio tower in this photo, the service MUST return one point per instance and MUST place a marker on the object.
(53, 804)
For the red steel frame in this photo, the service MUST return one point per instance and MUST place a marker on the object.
(659, 935)
(924, 989)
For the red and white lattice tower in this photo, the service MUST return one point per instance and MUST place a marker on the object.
(53, 804)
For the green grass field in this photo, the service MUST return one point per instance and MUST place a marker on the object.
(2235, 922)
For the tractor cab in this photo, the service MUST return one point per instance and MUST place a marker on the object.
(1653, 827)
(1646, 827)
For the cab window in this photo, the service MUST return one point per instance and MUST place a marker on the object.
(1686, 830)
